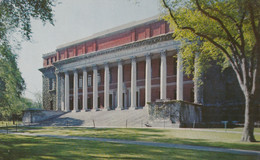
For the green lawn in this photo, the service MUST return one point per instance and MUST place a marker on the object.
(9, 123)
(177, 136)
(26, 147)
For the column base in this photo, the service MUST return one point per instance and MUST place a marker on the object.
(147, 105)
(119, 108)
(106, 109)
(75, 110)
(84, 110)
(66, 110)
(132, 108)
(95, 110)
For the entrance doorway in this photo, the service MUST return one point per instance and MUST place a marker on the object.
(110, 101)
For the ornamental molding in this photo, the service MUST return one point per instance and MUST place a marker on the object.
(138, 48)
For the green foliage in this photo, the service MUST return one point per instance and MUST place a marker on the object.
(11, 81)
(15, 109)
(222, 31)
(15, 16)
(219, 30)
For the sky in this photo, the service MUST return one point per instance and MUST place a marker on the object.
(76, 19)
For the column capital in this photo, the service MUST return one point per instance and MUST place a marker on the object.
(75, 71)
(133, 58)
(163, 52)
(119, 61)
(148, 55)
(84, 68)
(94, 66)
(106, 64)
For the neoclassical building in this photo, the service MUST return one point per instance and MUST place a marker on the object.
(121, 68)
(126, 67)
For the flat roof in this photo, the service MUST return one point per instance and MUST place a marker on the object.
(49, 54)
(111, 31)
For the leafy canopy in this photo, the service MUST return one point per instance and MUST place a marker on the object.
(219, 30)
(15, 17)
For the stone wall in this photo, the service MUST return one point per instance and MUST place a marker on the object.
(180, 113)
(49, 94)
(35, 116)
(221, 88)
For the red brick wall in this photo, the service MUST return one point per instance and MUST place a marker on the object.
(115, 40)
(138, 33)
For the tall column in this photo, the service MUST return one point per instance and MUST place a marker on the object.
(133, 84)
(198, 87)
(179, 77)
(163, 76)
(67, 92)
(106, 87)
(58, 91)
(85, 90)
(75, 98)
(95, 88)
(148, 79)
(62, 88)
(120, 86)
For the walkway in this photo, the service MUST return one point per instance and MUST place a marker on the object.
(154, 144)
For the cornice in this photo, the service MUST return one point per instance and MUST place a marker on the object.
(135, 44)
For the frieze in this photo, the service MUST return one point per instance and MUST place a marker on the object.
(115, 49)
(124, 52)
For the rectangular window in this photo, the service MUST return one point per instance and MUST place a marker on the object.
(136, 71)
(99, 78)
(89, 80)
(53, 84)
(47, 61)
(50, 84)
(80, 81)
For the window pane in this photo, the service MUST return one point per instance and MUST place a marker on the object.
(89, 80)
(80, 81)
(99, 78)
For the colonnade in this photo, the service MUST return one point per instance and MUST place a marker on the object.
(148, 74)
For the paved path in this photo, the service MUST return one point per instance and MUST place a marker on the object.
(154, 144)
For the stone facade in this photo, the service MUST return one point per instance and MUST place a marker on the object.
(180, 113)
(49, 88)
(36, 116)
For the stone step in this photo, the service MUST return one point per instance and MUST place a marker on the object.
(113, 118)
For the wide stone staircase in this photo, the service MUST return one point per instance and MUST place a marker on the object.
(113, 118)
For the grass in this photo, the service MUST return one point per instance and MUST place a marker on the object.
(34, 148)
(177, 136)
(9, 123)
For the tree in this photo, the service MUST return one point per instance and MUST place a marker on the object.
(226, 31)
(15, 17)
(37, 103)
(15, 110)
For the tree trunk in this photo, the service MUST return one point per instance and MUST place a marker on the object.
(248, 132)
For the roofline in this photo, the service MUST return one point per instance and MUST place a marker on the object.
(111, 31)
(46, 55)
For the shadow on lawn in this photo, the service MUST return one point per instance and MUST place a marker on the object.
(154, 135)
(62, 122)
(21, 147)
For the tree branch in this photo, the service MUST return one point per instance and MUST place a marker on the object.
(252, 20)
(231, 38)
(235, 65)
